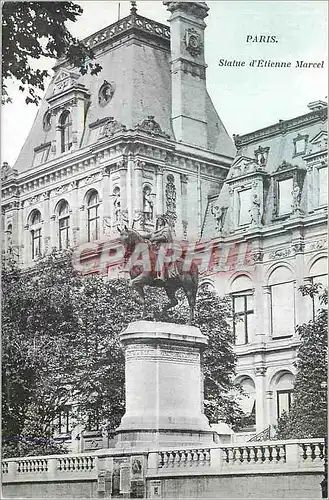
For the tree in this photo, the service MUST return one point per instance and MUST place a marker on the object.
(31, 30)
(308, 414)
(60, 344)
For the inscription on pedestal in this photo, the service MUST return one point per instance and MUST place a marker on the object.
(166, 353)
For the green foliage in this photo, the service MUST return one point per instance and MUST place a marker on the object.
(60, 344)
(308, 415)
(31, 30)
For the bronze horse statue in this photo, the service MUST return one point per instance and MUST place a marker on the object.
(141, 277)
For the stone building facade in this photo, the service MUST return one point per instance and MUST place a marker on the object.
(142, 138)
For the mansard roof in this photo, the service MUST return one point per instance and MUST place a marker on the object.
(134, 53)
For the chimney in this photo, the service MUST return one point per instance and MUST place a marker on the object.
(188, 72)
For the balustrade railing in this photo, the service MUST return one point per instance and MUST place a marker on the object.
(76, 463)
(144, 24)
(255, 454)
(312, 451)
(184, 458)
(32, 465)
(250, 458)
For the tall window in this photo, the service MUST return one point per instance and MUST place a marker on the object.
(35, 231)
(248, 402)
(93, 216)
(282, 303)
(243, 309)
(323, 186)
(65, 123)
(319, 275)
(63, 225)
(284, 196)
(244, 206)
(284, 393)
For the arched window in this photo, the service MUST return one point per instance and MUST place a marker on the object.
(282, 293)
(319, 275)
(65, 124)
(93, 215)
(243, 309)
(35, 231)
(63, 224)
(248, 401)
(284, 389)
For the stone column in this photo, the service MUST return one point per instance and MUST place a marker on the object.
(271, 414)
(267, 311)
(164, 386)
(75, 217)
(46, 218)
(260, 372)
(107, 199)
(159, 191)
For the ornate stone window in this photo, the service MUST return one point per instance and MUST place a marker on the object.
(63, 224)
(65, 125)
(35, 232)
(93, 215)
(300, 144)
(46, 122)
(287, 190)
(105, 93)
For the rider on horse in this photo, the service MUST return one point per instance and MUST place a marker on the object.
(162, 234)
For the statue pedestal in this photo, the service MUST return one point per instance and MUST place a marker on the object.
(164, 386)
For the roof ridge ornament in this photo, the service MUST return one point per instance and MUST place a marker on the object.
(133, 9)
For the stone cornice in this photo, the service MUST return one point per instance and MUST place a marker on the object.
(282, 127)
(158, 151)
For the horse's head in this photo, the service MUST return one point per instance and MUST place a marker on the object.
(129, 237)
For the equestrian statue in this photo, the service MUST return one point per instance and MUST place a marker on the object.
(170, 276)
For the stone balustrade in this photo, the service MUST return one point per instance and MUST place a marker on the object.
(251, 458)
(184, 458)
(52, 467)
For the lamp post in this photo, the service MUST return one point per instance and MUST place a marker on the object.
(324, 482)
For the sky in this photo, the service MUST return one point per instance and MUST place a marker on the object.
(246, 98)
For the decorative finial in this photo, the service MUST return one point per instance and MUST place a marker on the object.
(133, 9)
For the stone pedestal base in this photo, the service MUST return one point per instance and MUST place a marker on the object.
(164, 387)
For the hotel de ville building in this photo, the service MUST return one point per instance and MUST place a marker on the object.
(143, 138)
